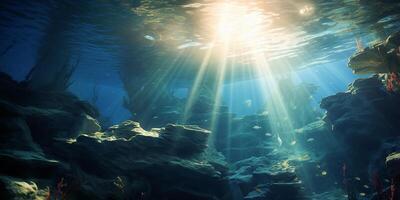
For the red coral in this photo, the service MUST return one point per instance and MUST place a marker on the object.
(394, 188)
(59, 191)
(392, 81)
(376, 181)
(48, 196)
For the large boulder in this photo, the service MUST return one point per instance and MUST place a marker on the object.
(362, 118)
(13, 188)
(170, 161)
(125, 161)
(260, 178)
(185, 140)
(393, 164)
(42, 115)
(27, 164)
(52, 140)
(357, 133)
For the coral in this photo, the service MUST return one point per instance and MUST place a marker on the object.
(392, 82)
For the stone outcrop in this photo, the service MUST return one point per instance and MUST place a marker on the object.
(364, 115)
(359, 130)
(363, 119)
(393, 164)
(68, 153)
(52, 146)
(264, 178)
(47, 114)
(170, 162)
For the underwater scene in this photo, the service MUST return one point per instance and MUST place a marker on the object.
(200, 99)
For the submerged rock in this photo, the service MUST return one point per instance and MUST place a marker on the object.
(168, 161)
(50, 139)
(126, 129)
(12, 188)
(153, 164)
(351, 143)
(261, 178)
(47, 114)
(393, 164)
(362, 118)
(185, 140)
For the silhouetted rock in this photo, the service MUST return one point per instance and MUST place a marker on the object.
(262, 178)
(170, 160)
(51, 136)
(14, 188)
(357, 133)
(362, 118)
(393, 164)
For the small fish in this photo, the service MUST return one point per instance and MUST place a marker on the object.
(189, 44)
(268, 134)
(293, 142)
(193, 5)
(362, 194)
(304, 157)
(357, 178)
(387, 180)
(149, 37)
(279, 140)
(310, 139)
(324, 173)
(248, 103)
(319, 166)
(306, 10)
(366, 186)
(256, 127)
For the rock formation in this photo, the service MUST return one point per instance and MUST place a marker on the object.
(51, 146)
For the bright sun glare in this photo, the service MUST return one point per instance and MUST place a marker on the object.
(240, 27)
(238, 23)
(245, 30)
(256, 34)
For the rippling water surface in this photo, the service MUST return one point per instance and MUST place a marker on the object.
(286, 34)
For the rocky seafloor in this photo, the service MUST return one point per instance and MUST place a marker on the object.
(52, 147)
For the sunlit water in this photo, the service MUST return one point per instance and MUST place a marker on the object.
(245, 49)
(257, 42)
(255, 57)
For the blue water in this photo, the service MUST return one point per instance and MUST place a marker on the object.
(99, 35)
